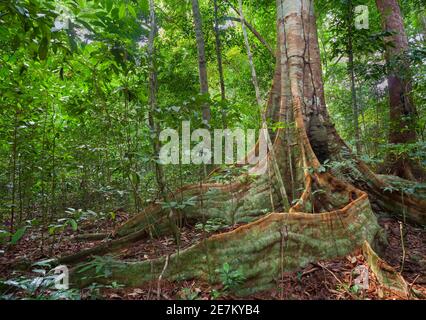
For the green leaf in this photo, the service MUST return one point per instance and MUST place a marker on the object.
(43, 49)
(52, 230)
(18, 235)
(4, 233)
(86, 267)
(122, 11)
(226, 267)
(73, 224)
(135, 177)
(109, 5)
(132, 11)
(44, 263)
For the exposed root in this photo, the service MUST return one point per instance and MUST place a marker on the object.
(403, 198)
(241, 202)
(403, 167)
(107, 246)
(255, 249)
(385, 274)
(91, 236)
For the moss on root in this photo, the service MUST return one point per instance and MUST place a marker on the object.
(240, 202)
(386, 275)
(261, 250)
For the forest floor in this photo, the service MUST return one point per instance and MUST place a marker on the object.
(331, 279)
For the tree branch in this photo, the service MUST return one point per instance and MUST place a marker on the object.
(253, 30)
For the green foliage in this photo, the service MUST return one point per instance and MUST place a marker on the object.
(61, 225)
(12, 239)
(299, 276)
(185, 203)
(212, 225)
(94, 290)
(189, 294)
(102, 266)
(4, 236)
(18, 235)
(40, 287)
(215, 294)
(230, 278)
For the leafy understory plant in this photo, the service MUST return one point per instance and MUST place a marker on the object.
(191, 202)
(62, 225)
(230, 278)
(40, 287)
(189, 294)
(94, 291)
(212, 225)
(14, 237)
(80, 215)
(102, 266)
(9, 238)
(215, 294)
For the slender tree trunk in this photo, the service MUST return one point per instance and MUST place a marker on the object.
(14, 156)
(250, 55)
(402, 109)
(352, 77)
(250, 27)
(202, 62)
(155, 130)
(254, 32)
(219, 63)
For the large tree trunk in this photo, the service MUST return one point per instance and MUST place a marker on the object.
(202, 62)
(402, 110)
(331, 216)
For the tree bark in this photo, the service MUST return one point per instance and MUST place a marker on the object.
(202, 62)
(402, 109)
(254, 31)
(155, 130)
(249, 54)
(219, 63)
(352, 78)
(251, 28)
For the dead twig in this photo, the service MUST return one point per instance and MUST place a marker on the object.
(161, 277)
(401, 231)
(337, 279)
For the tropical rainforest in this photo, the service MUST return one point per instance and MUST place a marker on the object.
(335, 208)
